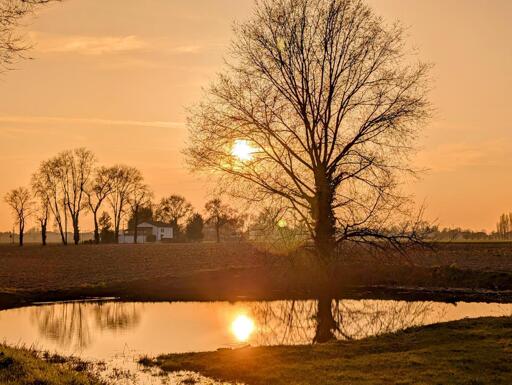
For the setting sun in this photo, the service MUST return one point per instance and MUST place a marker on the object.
(242, 327)
(242, 150)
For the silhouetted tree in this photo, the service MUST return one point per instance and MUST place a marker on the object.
(194, 229)
(20, 201)
(123, 180)
(46, 182)
(504, 226)
(172, 210)
(219, 214)
(12, 44)
(43, 206)
(140, 196)
(107, 235)
(98, 190)
(145, 214)
(326, 99)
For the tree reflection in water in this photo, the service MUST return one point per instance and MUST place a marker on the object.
(70, 324)
(303, 322)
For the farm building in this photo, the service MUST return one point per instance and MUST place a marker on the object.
(149, 231)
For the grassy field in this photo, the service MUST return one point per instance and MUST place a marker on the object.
(467, 352)
(23, 367)
(232, 271)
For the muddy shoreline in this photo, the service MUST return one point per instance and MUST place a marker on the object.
(243, 285)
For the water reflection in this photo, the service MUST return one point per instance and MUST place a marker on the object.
(75, 325)
(242, 327)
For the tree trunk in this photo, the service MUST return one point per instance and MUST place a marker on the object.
(43, 232)
(135, 223)
(76, 230)
(96, 228)
(325, 323)
(325, 223)
(217, 231)
(22, 228)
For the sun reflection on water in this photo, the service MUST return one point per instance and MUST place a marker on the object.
(242, 327)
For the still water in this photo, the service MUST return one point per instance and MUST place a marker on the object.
(117, 333)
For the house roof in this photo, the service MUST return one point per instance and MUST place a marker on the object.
(154, 223)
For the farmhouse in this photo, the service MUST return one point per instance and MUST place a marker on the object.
(149, 231)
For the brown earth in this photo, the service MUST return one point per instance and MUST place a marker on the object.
(230, 271)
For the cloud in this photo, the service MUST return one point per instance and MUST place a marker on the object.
(90, 121)
(87, 45)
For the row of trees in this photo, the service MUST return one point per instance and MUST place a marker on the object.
(70, 183)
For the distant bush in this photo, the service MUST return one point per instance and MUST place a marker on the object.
(151, 238)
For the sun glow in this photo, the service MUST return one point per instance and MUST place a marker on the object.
(242, 150)
(242, 327)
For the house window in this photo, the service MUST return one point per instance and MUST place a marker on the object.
(162, 231)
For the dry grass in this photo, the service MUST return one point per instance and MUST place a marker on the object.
(23, 367)
(470, 352)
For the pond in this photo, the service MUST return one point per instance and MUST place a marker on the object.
(118, 333)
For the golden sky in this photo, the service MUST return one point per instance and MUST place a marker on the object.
(116, 76)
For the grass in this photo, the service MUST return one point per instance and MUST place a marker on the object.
(19, 366)
(467, 352)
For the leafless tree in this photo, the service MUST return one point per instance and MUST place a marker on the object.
(124, 178)
(42, 212)
(76, 169)
(20, 201)
(328, 106)
(219, 214)
(140, 196)
(46, 182)
(64, 179)
(173, 209)
(12, 44)
(98, 190)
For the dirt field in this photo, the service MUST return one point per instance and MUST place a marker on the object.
(239, 270)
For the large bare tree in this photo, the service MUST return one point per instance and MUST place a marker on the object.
(42, 210)
(76, 168)
(20, 201)
(319, 107)
(123, 181)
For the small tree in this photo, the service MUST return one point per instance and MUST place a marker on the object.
(194, 229)
(43, 215)
(219, 215)
(123, 181)
(173, 210)
(20, 201)
(140, 196)
(105, 226)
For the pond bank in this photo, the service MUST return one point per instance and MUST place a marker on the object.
(416, 284)
(473, 351)
(19, 366)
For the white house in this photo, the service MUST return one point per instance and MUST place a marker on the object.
(149, 231)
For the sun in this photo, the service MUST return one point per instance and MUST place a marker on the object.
(242, 327)
(242, 150)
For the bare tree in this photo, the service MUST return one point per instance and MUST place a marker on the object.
(140, 196)
(46, 184)
(319, 107)
(219, 215)
(76, 169)
(42, 212)
(172, 210)
(12, 44)
(123, 180)
(20, 201)
(99, 189)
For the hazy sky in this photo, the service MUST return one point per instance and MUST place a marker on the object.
(116, 76)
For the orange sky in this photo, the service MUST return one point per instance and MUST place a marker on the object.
(115, 76)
